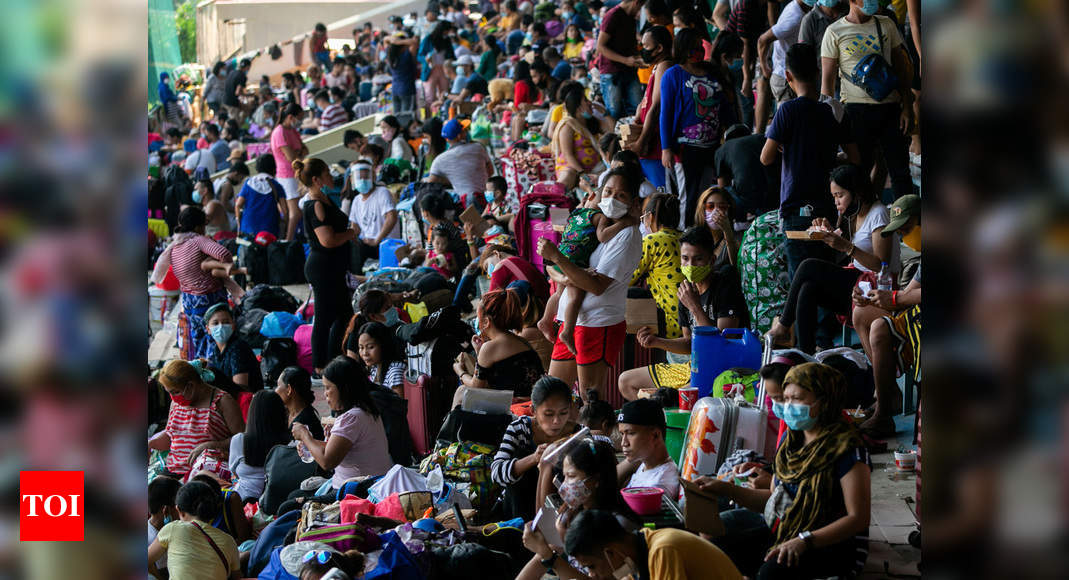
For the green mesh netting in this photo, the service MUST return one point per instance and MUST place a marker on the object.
(163, 52)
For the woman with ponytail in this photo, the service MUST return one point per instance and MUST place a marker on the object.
(327, 229)
(193, 546)
(697, 105)
(504, 361)
(202, 418)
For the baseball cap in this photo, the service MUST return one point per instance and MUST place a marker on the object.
(189, 145)
(642, 412)
(465, 60)
(901, 210)
(452, 129)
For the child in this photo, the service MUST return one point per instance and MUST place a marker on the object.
(578, 243)
(440, 258)
(161, 508)
(628, 157)
(497, 209)
(598, 416)
(190, 541)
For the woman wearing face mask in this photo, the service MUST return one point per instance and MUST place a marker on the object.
(287, 148)
(660, 257)
(372, 214)
(234, 358)
(697, 105)
(380, 352)
(574, 147)
(588, 482)
(504, 361)
(201, 418)
(217, 218)
(820, 496)
(394, 134)
(819, 283)
(294, 386)
(515, 465)
(716, 210)
(657, 51)
(328, 233)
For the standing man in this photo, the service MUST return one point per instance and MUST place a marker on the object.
(318, 46)
(774, 77)
(373, 215)
(234, 88)
(465, 166)
(885, 122)
(817, 22)
(618, 60)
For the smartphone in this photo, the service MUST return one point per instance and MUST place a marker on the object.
(865, 286)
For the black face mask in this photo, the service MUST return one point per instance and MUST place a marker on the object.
(647, 55)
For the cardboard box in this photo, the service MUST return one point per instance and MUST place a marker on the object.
(642, 312)
(700, 511)
(807, 235)
(472, 216)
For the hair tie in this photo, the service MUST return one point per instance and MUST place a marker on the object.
(780, 359)
(205, 374)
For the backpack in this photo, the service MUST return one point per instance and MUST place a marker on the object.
(249, 323)
(278, 353)
(394, 413)
(269, 298)
(178, 190)
(285, 263)
(860, 384)
(284, 473)
(254, 259)
(271, 538)
(736, 379)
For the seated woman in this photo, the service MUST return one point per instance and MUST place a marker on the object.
(357, 446)
(589, 482)
(380, 352)
(234, 357)
(504, 361)
(575, 148)
(231, 516)
(531, 310)
(294, 387)
(818, 507)
(201, 418)
(266, 428)
(190, 542)
(823, 284)
(716, 210)
(516, 461)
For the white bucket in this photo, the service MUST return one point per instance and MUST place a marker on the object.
(905, 461)
(160, 304)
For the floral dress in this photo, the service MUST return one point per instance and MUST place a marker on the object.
(763, 265)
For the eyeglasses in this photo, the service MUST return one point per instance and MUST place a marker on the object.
(321, 556)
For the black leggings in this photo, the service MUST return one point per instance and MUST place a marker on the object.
(817, 283)
(333, 308)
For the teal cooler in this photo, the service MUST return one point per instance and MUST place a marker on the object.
(713, 352)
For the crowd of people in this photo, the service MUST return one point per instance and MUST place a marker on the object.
(739, 167)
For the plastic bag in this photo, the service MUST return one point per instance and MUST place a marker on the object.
(280, 325)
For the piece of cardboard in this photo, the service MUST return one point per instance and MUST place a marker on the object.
(472, 216)
(546, 522)
(701, 513)
(806, 235)
(641, 312)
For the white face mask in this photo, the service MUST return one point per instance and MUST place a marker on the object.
(613, 208)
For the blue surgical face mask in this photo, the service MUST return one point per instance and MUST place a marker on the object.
(777, 409)
(391, 317)
(196, 197)
(587, 115)
(809, 2)
(221, 332)
(870, 7)
(796, 415)
(490, 268)
(489, 196)
(363, 185)
(829, 3)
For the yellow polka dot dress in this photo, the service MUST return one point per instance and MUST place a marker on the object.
(660, 267)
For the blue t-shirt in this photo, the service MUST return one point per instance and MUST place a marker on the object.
(221, 151)
(810, 136)
(260, 213)
(514, 41)
(404, 75)
(563, 71)
(694, 110)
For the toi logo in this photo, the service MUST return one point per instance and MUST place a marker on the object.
(51, 506)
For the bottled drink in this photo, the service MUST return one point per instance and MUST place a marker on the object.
(883, 280)
(304, 453)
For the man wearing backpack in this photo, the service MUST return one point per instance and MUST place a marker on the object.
(886, 122)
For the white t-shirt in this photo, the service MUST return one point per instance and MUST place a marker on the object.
(370, 213)
(616, 259)
(877, 217)
(786, 31)
(464, 166)
(152, 533)
(664, 476)
(250, 479)
(400, 149)
(200, 158)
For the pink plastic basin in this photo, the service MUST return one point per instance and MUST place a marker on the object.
(644, 501)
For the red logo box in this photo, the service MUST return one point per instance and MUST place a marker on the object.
(51, 506)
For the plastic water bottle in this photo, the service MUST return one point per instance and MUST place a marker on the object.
(883, 280)
(304, 453)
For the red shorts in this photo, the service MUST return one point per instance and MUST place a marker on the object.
(593, 344)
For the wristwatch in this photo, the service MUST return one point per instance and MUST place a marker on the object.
(549, 562)
(807, 537)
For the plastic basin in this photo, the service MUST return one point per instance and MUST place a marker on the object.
(644, 501)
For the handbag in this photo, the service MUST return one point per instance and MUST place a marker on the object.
(873, 73)
(343, 537)
(468, 426)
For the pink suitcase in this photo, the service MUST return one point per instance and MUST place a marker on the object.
(541, 229)
(303, 337)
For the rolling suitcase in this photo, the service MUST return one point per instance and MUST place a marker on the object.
(424, 395)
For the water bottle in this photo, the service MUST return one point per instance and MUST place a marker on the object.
(304, 453)
(883, 280)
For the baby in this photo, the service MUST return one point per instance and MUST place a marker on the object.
(587, 227)
(440, 258)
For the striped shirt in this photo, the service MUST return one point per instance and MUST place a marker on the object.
(332, 116)
(186, 259)
(394, 375)
(517, 443)
(191, 426)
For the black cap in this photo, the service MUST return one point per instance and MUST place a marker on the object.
(642, 412)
